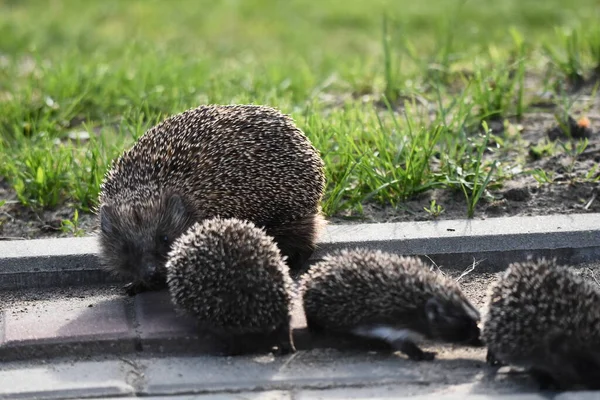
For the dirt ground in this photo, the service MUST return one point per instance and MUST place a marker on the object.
(520, 196)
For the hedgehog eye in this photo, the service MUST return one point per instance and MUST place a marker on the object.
(165, 238)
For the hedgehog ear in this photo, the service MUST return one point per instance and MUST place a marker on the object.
(176, 207)
(434, 310)
(106, 218)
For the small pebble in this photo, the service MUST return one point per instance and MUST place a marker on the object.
(79, 135)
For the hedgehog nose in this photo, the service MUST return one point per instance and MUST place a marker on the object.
(148, 276)
(149, 272)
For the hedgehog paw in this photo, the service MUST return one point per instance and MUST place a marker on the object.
(284, 349)
(425, 356)
(491, 359)
(413, 351)
(285, 340)
(133, 288)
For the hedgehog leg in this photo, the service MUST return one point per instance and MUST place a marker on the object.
(492, 360)
(412, 351)
(133, 288)
(285, 340)
(399, 339)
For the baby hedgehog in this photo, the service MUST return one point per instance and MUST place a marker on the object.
(231, 161)
(231, 276)
(387, 297)
(546, 319)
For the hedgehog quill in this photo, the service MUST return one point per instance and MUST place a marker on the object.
(546, 319)
(233, 161)
(231, 276)
(383, 296)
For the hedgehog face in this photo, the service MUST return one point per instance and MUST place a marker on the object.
(453, 323)
(135, 239)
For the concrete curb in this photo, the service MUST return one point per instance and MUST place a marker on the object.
(453, 244)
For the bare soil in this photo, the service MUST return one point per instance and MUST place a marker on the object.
(521, 195)
(571, 191)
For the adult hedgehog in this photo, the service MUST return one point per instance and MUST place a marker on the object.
(231, 161)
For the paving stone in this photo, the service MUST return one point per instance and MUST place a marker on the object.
(316, 369)
(66, 380)
(581, 395)
(308, 375)
(161, 329)
(404, 392)
(371, 392)
(87, 326)
(157, 318)
(51, 262)
(270, 395)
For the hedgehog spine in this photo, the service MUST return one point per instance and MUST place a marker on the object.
(231, 276)
(545, 318)
(388, 297)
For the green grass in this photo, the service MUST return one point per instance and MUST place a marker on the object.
(353, 74)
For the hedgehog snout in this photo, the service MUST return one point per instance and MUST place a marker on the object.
(468, 332)
(451, 324)
(459, 331)
(149, 270)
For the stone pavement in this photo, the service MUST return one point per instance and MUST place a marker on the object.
(306, 375)
(98, 343)
(91, 322)
(73, 340)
